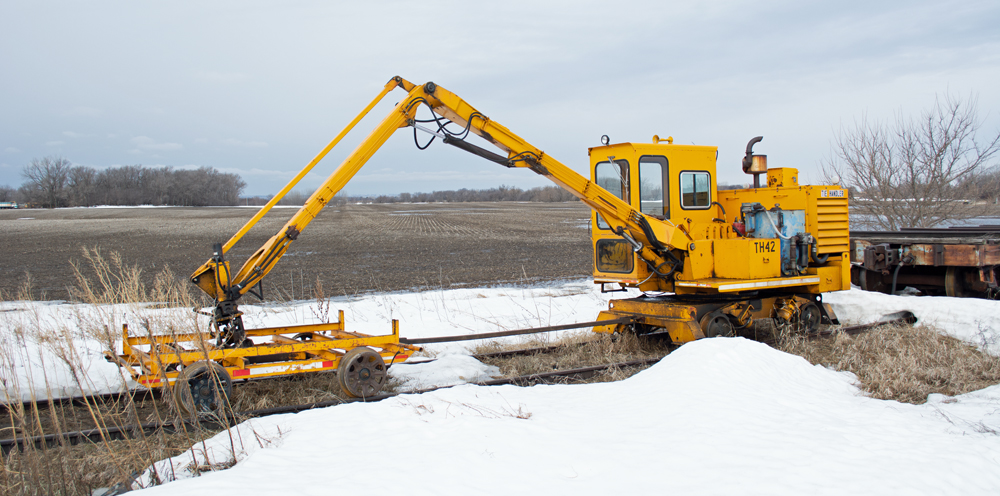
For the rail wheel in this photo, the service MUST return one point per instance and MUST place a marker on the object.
(810, 317)
(203, 389)
(872, 281)
(361, 373)
(953, 282)
(716, 324)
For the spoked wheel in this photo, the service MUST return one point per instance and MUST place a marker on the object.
(361, 373)
(716, 324)
(810, 317)
(203, 389)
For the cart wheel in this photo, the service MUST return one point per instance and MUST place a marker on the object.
(361, 373)
(716, 324)
(202, 389)
(810, 317)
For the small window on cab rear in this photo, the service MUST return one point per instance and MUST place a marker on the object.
(612, 176)
(696, 192)
(653, 196)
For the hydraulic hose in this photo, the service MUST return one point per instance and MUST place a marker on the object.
(895, 273)
(816, 257)
(774, 226)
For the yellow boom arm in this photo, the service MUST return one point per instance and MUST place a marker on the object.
(653, 241)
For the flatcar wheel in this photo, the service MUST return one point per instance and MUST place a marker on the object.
(953, 282)
(716, 324)
(202, 389)
(361, 373)
(872, 281)
(809, 317)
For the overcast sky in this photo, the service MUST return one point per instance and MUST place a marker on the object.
(258, 88)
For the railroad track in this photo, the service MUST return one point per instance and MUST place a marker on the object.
(174, 426)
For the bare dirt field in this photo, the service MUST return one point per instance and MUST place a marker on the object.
(352, 249)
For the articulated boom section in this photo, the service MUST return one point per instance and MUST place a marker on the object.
(659, 224)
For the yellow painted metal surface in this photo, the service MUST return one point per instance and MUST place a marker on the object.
(154, 360)
(782, 177)
(745, 258)
(807, 282)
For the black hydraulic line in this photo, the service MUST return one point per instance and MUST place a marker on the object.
(895, 274)
(476, 150)
(500, 334)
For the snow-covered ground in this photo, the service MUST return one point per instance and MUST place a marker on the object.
(717, 416)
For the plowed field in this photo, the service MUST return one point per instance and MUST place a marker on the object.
(352, 249)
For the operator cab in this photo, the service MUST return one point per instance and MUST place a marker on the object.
(673, 183)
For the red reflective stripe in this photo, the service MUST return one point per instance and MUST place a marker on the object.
(149, 381)
(241, 372)
(401, 357)
(327, 364)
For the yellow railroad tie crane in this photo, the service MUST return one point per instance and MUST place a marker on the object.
(659, 224)
(707, 261)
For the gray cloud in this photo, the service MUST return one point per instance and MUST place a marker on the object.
(147, 143)
(558, 73)
(247, 144)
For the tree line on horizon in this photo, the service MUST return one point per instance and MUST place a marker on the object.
(498, 194)
(53, 182)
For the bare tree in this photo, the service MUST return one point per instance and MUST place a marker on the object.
(8, 194)
(81, 186)
(916, 172)
(45, 181)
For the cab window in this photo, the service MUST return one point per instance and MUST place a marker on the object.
(696, 190)
(653, 196)
(612, 176)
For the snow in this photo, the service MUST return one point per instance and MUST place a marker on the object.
(717, 416)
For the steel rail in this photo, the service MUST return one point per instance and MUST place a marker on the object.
(91, 399)
(985, 231)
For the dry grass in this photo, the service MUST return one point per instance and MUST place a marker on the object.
(295, 389)
(902, 363)
(109, 288)
(82, 468)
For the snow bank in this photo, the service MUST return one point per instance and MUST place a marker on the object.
(718, 416)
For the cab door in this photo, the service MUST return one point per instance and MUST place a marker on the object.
(613, 168)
